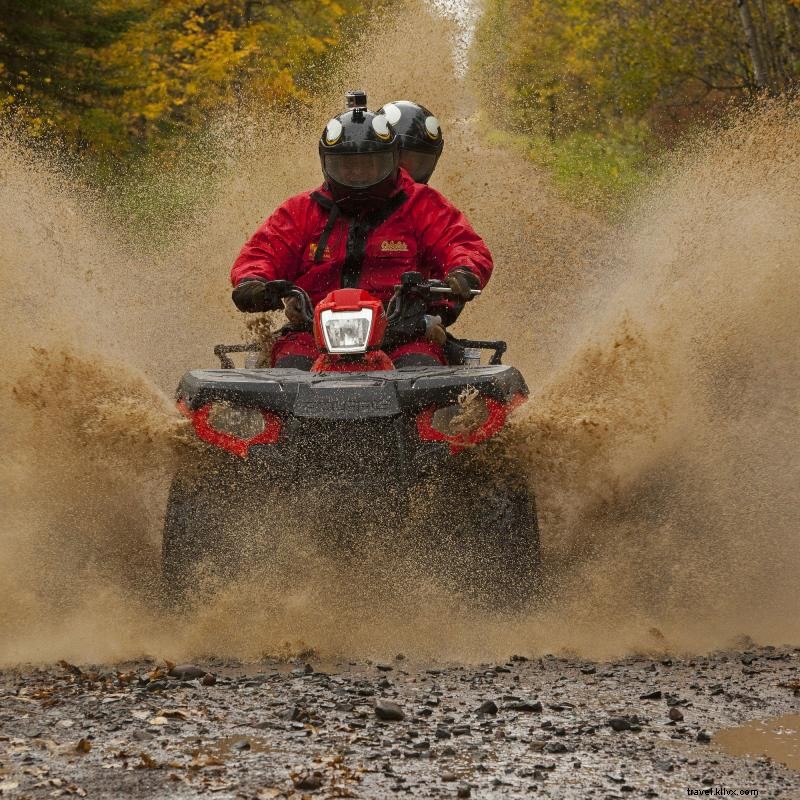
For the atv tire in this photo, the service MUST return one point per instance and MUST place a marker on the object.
(483, 542)
(207, 537)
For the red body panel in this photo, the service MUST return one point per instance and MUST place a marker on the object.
(372, 360)
(498, 414)
(303, 344)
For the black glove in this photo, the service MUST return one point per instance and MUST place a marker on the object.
(256, 294)
(462, 281)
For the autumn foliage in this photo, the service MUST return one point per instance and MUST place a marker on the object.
(564, 65)
(114, 76)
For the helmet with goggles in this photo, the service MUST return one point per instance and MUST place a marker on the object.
(359, 155)
(420, 135)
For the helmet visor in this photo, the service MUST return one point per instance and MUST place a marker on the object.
(419, 165)
(359, 170)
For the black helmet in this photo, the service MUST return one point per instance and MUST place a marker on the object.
(420, 136)
(359, 155)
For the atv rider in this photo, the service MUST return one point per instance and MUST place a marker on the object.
(363, 228)
(420, 135)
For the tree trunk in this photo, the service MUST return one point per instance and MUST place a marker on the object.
(759, 67)
(774, 49)
(552, 105)
(792, 29)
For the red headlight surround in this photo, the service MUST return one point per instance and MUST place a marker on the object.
(352, 300)
(226, 441)
(498, 414)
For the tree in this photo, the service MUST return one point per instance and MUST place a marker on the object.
(46, 80)
(114, 76)
(591, 64)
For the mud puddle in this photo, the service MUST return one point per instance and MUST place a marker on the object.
(231, 745)
(777, 738)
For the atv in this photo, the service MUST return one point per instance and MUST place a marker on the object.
(365, 459)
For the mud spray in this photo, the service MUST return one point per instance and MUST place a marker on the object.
(661, 437)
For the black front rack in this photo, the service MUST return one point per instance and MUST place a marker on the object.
(221, 352)
(498, 347)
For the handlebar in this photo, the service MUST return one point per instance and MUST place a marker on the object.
(445, 289)
(304, 305)
(413, 290)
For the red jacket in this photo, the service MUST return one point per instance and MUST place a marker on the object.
(422, 232)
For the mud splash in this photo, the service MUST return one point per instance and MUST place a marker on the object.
(661, 438)
(665, 449)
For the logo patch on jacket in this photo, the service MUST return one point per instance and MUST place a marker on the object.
(392, 246)
(312, 251)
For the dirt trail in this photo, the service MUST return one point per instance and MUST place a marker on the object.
(551, 727)
(661, 436)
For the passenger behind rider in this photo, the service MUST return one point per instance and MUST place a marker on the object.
(366, 225)
(421, 140)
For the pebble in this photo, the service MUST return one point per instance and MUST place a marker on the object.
(619, 724)
(487, 707)
(187, 672)
(654, 695)
(675, 714)
(388, 711)
(308, 782)
(242, 744)
(528, 706)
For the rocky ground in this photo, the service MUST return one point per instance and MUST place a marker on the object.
(548, 727)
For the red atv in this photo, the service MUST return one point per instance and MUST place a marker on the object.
(369, 460)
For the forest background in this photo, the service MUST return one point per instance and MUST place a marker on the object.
(593, 90)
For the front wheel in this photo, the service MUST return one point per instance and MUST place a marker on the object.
(477, 526)
(209, 526)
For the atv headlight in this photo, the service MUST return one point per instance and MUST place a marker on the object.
(346, 331)
(244, 423)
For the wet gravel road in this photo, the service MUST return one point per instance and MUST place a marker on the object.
(549, 727)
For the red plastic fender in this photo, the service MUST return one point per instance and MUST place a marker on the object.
(227, 441)
(498, 414)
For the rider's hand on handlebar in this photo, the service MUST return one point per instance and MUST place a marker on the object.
(255, 294)
(461, 282)
(294, 312)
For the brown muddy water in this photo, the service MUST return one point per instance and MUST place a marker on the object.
(661, 436)
(778, 739)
